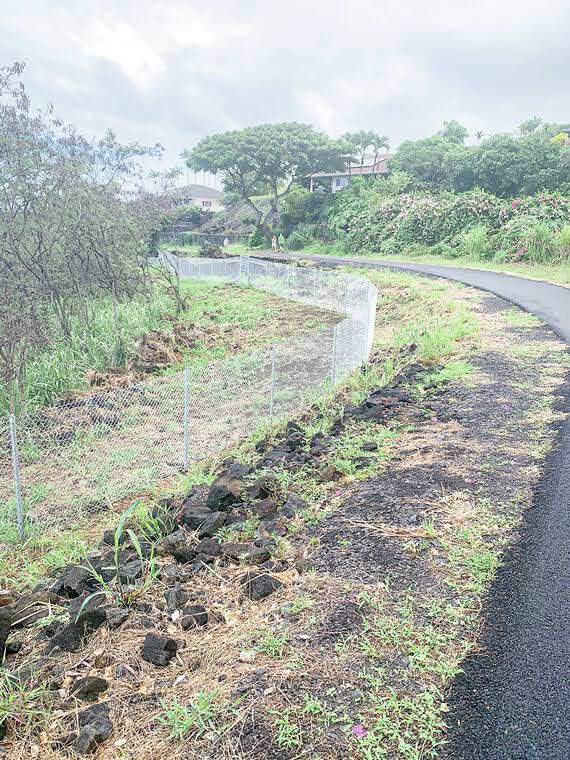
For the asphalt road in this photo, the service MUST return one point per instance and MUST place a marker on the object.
(513, 700)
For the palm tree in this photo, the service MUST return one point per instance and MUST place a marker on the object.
(479, 135)
(378, 142)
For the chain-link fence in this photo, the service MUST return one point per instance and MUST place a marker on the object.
(83, 454)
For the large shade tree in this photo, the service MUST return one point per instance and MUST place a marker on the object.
(266, 160)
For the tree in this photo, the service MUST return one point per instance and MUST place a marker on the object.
(425, 160)
(453, 132)
(363, 140)
(73, 224)
(507, 166)
(530, 125)
(267, 158)
(479, 135)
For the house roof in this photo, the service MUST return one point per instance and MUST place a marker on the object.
(196, 191)
(380, 167)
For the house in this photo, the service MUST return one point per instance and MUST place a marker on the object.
(205, 198)
(337, 180)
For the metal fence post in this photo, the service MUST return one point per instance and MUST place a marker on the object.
(16, 474)
(333, 357)
(247, 269)
(272, 391)
(186, 418)
(315, 284)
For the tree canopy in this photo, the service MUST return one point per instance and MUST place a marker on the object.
(267, 159)
(503, 164)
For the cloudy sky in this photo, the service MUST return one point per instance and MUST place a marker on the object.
(174, 70)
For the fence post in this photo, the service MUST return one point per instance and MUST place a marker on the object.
(186, 418)
(333, 357)
(314, 284)
(16, 474)
(345, 298)
(247, 269)
(272, 391)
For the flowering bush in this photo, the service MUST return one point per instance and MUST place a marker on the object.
(522, 228)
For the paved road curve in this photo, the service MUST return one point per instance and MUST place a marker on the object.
(513, 700)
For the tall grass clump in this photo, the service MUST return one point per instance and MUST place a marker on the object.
(475, 243)
(103, 336)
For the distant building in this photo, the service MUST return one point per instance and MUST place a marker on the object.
(205, 198)
(337, 180)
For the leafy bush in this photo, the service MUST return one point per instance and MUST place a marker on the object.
(474, 224)
(300, 238)
(257, 240)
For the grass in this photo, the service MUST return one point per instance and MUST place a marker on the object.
(222, 319)
(558, 273)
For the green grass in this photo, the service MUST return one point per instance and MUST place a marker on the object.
(98, 345)
(556, 273)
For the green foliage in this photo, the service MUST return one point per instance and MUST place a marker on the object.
(20, 703)
(454, 132)
(265, 159)
(257, 240)
(473, 224)
(196, 718)
(501, 164)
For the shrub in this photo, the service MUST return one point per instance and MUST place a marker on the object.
(257, 240)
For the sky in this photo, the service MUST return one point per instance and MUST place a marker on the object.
(173, 71)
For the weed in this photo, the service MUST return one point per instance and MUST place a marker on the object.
(20, 703)
(288, 735)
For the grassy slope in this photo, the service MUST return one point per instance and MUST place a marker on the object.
(229, 318)
(404, 646)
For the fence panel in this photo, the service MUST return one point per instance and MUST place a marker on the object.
(83, 454)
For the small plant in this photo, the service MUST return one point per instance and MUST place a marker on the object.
(289, 735)
(196, 718)
(20, 703)
(273, 645)
(116, 590)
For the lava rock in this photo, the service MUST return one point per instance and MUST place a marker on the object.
(263, 487)
(212, 524)
(33, 607)
(295, 440)
(89, 688)
(274, 456)
(224, 492)
(194, 616)
(76, 579)
(293, 505)
(175, 597)
(242, 552)
(360, 463)
(260, 585)
(239, 470)
(178, 545)
(369, 446)
(95, 728)
(265, 508)
(71, 637)
(275, 527)
(159, 650)
(208, 547)
(5, 625)
(129, 572)
(194, 515)
(116, 616)
(329, 473)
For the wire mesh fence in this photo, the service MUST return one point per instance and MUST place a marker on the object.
(84, 453)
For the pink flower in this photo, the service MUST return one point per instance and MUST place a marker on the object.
(359, 731)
